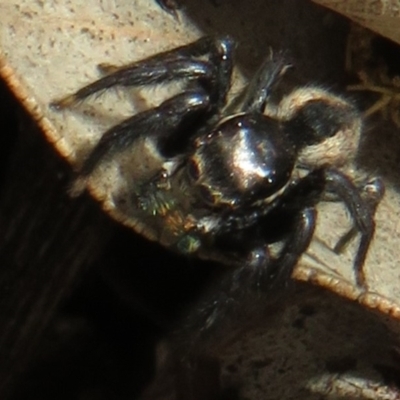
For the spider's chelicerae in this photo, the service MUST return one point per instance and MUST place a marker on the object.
(237, 183)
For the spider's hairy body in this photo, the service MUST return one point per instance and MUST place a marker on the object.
(229, 186)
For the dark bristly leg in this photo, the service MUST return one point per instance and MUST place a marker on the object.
(206, 97)
(334, 181)
(372, 192)
(259, 274)
(261, 85)
(142, 74)
(162, 121)
(180, 63)
(222, 57)
(280, 270)
(307, 192)
(361, 214)
(261, 271)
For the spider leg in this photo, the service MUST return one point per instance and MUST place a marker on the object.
(372, 192)
(259, 89)
(329, 180)
(162, 122)
(360, 212)
(263, 272)
(281, 268)
(259, 273)
(306, 193)
(213, 73)
(210, 78)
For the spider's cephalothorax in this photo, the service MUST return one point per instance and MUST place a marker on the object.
(228, 182)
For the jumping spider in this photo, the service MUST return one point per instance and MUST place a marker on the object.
(237, 184)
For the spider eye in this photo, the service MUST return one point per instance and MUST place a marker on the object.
(193, 170)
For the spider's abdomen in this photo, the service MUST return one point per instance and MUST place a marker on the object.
(245, 158)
